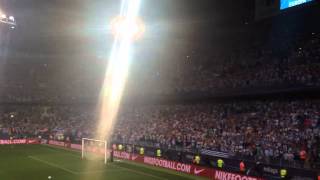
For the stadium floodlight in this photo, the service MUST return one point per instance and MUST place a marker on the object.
(11, 18)
(122, 26)
(11, 22)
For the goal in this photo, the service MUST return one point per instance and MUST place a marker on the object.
(94, 149)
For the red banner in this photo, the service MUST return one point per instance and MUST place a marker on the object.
(185, 168)
(222, 175)
(122, 155)
(173, 165)
(33, 141)
(57, 143)
(19, 141)
(167, 164)
(76, 146)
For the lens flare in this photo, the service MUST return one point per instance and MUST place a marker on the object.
(121, 27)
(117, 69)
(126, 28)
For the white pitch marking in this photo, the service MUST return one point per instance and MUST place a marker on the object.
(53, 165)
(100, 171)
(70, 171)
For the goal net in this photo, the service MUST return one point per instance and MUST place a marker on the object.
(93, 149)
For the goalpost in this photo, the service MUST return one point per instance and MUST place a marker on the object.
(94, 148)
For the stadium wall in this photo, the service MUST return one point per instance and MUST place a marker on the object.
(270, 172)
(210, 173)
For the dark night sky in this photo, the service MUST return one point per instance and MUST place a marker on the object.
(66, 27)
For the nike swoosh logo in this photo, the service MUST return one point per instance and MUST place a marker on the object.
(134, 157)
(198, 171)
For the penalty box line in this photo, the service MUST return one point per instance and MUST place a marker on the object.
(53, 165)
(69, 170)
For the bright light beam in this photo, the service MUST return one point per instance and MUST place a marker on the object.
(118, 68)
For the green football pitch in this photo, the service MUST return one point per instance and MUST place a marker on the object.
(38, 162)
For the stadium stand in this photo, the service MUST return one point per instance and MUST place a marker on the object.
(274, 131)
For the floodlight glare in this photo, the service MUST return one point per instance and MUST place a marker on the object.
(7, 20)
(133, 28)
(11, 18)
(127, 28)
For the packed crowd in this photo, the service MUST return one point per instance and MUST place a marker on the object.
(38, 81)
(56, 122)
(268, 130)
(253, 68)
(297, 63)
